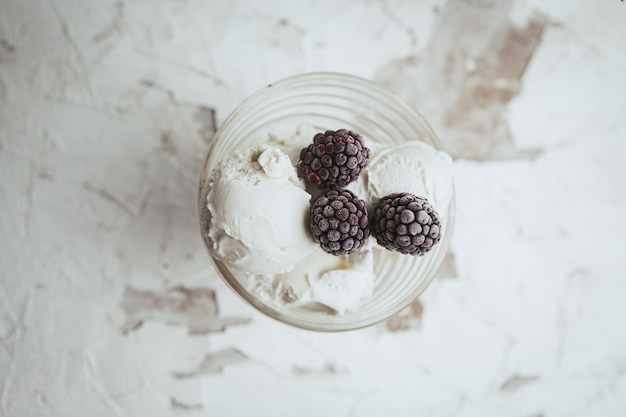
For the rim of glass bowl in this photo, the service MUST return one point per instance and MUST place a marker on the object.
(346, 80)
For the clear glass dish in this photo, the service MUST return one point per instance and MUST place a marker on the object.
(331, 101)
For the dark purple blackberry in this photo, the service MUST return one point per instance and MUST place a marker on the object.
(338, 221)
(334, 159)
(406, 223)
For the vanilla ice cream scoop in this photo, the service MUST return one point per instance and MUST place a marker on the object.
(258, 212)
(412, 167)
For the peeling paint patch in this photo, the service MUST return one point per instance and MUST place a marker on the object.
(205, 117)
(515, 382)
(6, 45)
(470, 70)
(167, 144)
(195, 308)
(7, 50)
(447, 269)
(328, 370)
(180, 405)
(113, 27)
(409, 318)
(214, 363)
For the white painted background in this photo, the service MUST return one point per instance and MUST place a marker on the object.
(109, 306)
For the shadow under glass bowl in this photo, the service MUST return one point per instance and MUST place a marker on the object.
(331, 101)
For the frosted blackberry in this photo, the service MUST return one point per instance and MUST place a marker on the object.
(406, 223)
(334, 159)
(339, 222)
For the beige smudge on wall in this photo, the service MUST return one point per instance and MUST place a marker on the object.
(328, 370)
(516, 382)
(114, 26)
(194, 308)
(409, 318)
(448, 267)
(205, 116)
(213, 363)
(472, 66)
(180, 405)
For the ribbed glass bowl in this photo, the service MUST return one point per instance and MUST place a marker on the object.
(331, 101)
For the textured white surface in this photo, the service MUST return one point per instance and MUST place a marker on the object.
(109, 306)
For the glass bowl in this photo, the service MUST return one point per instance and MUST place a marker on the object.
(331, 101)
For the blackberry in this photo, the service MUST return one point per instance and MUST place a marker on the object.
(339, 222)
(406, 223)
(334, 159)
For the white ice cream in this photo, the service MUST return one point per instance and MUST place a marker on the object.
(259, 212)
(413, 167)
(345, 289)
(260, 209)
(340, 284)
